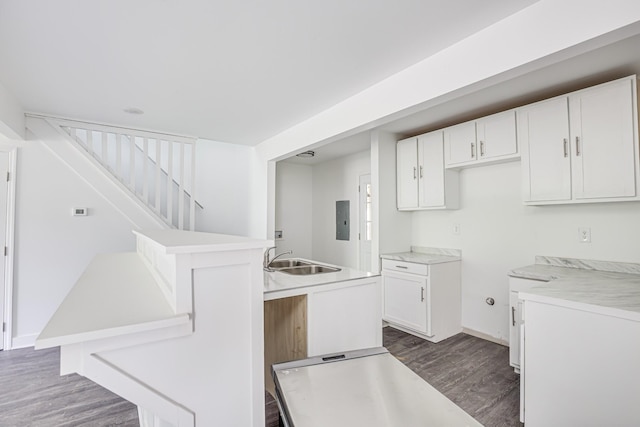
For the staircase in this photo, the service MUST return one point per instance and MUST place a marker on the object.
(157, 169)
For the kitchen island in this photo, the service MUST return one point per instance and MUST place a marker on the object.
(319, 314)
(580, 338)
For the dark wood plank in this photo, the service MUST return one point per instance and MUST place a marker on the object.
(34, 394)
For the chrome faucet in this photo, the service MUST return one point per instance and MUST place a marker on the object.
(266, 263)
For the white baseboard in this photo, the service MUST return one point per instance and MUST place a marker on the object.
(485, 336)
(24, 341)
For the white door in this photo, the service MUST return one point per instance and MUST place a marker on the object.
(602, 126)
(405, 300)
(543, 132)
(366, 221)
(431, 169)
(407, 173)
(460, 143)
(496, 135)
(4, 190)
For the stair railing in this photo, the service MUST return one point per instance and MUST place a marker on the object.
(158, 169)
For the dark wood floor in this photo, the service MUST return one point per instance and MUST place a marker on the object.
(34, 394)
(472, 372)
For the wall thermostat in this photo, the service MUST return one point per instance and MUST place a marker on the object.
(79, 211)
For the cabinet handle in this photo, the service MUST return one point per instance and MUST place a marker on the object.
(513, 316)
(422, 294)
(473, 146)
(402, 266)
(566, 147)
(481, 148)
(420, 171)
(577, 145)
(414, 172)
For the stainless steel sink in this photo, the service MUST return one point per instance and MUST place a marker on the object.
(286, 263)
(309, 269)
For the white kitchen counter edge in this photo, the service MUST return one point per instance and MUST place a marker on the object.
(280, 285)
(604, 292)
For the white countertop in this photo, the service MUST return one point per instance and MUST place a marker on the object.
(182, 241)
(579, 284)
(276, 281)
(116, 294)
(421, 255)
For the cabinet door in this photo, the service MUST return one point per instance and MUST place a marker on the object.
(543, 133)
(515, 313)
(496, 135)
(603, 140)
(431, 170)
(460, 143)
(405, 301)
(407, 173)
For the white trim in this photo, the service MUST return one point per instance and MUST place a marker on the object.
(8, 259)
(485, 337)
(103, 127)
(24, 341)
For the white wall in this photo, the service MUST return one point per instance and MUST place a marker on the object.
(294, 190)
(499, 233)
(333, 181)
(11, 115)
(223, 176)
(52, 247)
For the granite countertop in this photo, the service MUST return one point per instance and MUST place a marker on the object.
(276, 282)
(609, 288)
(422, 255)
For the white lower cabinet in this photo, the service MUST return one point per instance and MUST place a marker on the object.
(422, 299)
(344, 318)
(581, 366)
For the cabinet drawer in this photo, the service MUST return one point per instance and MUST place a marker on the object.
(405, 267)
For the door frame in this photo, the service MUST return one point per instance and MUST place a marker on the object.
(363, 179)
(12, 151)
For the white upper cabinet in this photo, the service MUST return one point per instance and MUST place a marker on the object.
(603, 137)
(407, 173)
(460, 143)
(581, 147)
(422, 181)
(486, 140)
(543, 133)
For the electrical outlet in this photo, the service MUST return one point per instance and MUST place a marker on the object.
(584, 234)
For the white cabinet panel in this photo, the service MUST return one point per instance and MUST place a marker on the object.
(424, 300)
(496, 135)
(543, 133)
(581, 147)
(421, 180)
(407, 173)
(344, 318)
(431, 186)
(405, 301)
(460, 143)
(602, 130)
(581, 368)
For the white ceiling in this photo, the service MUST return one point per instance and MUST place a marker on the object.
(232, 71)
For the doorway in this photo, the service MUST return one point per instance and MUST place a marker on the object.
(365, 222)
(7, 191)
